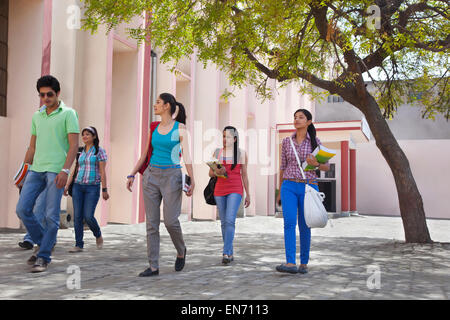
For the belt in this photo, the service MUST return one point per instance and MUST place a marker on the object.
(311, 181)
(174, 166)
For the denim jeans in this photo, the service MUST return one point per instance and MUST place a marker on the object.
(292, 202)
(39, 213)
(85, 198)
(35, 184)
(228, 207)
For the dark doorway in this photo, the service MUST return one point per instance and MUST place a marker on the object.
(329, 188)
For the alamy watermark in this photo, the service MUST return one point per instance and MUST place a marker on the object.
(374, 20)
(73, 282)
(73, 21)
(374, 280)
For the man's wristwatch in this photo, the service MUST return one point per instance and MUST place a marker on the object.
(66, 171)
(104, 189)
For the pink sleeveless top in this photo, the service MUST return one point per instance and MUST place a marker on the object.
(232, 184)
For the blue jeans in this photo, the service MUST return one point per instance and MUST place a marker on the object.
(39, 213)
(228, 207)
(85, 198)
(292, 202)
(35, 184)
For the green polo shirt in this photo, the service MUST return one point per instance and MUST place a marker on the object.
(52, 143)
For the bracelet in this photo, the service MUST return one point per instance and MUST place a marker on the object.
(104, 189)
(130, 176)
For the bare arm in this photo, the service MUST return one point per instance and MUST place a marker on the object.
(139, 163)
(73, 149)
(186, 156)
(61, 178)
(29, 155)
(245, 180)
(102, 166)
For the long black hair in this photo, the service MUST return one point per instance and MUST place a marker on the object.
(235, 145)
(93, 131)
(170, 99)
(311, 129)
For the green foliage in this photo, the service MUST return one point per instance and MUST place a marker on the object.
(324, 43)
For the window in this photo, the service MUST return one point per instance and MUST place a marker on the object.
(4, 8)
(331, 174)
(335, 99)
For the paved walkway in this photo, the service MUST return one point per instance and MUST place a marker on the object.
(357, 258)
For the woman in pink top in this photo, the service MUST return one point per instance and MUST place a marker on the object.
(228, 191)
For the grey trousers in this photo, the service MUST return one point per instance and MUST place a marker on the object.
(162, 184)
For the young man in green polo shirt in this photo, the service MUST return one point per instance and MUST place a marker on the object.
(53, 148)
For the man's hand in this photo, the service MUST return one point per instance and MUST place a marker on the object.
(61, 180)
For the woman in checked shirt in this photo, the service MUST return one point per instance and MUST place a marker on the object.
(86, 188)
(292, 193)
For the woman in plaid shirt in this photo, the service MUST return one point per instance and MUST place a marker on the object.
(292, 193)
(86, 188)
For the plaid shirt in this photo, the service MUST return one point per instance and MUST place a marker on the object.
(88, 167)
(289, 162)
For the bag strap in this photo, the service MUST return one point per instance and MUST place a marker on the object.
(296, 157)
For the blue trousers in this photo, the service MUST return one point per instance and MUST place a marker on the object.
(39, 212)
(228, 207)
(35, 184)
(85, 199)
(292, 202)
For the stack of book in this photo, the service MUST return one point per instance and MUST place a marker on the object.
(19, 178)
(322, 155)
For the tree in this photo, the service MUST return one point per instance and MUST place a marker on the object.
(401, 45)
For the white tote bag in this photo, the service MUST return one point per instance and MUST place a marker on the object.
(316, 215)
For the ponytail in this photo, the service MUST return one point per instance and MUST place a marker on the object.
(177, 109)
(181, 115)
(312, 134)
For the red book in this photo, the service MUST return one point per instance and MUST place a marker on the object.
(20, 176)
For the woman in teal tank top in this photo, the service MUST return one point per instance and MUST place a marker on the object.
(166, 147)
(162, 180)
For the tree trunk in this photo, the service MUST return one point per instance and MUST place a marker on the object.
(410, 200)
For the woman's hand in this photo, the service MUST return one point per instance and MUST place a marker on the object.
(312, 160)
(278, 200)
(247, 201)
(130, 183)
(66, 190)
(191, 188)
(220, 172)
(105, 195)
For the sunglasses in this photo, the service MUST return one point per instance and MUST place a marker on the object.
(49, 94)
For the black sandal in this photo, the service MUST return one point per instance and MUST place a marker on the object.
(149, 272)
(179, 263)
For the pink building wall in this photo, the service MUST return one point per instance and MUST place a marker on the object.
(376, 192)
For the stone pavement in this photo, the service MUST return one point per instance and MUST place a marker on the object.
(358, 257)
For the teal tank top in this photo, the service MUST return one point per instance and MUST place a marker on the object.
(166, 147)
